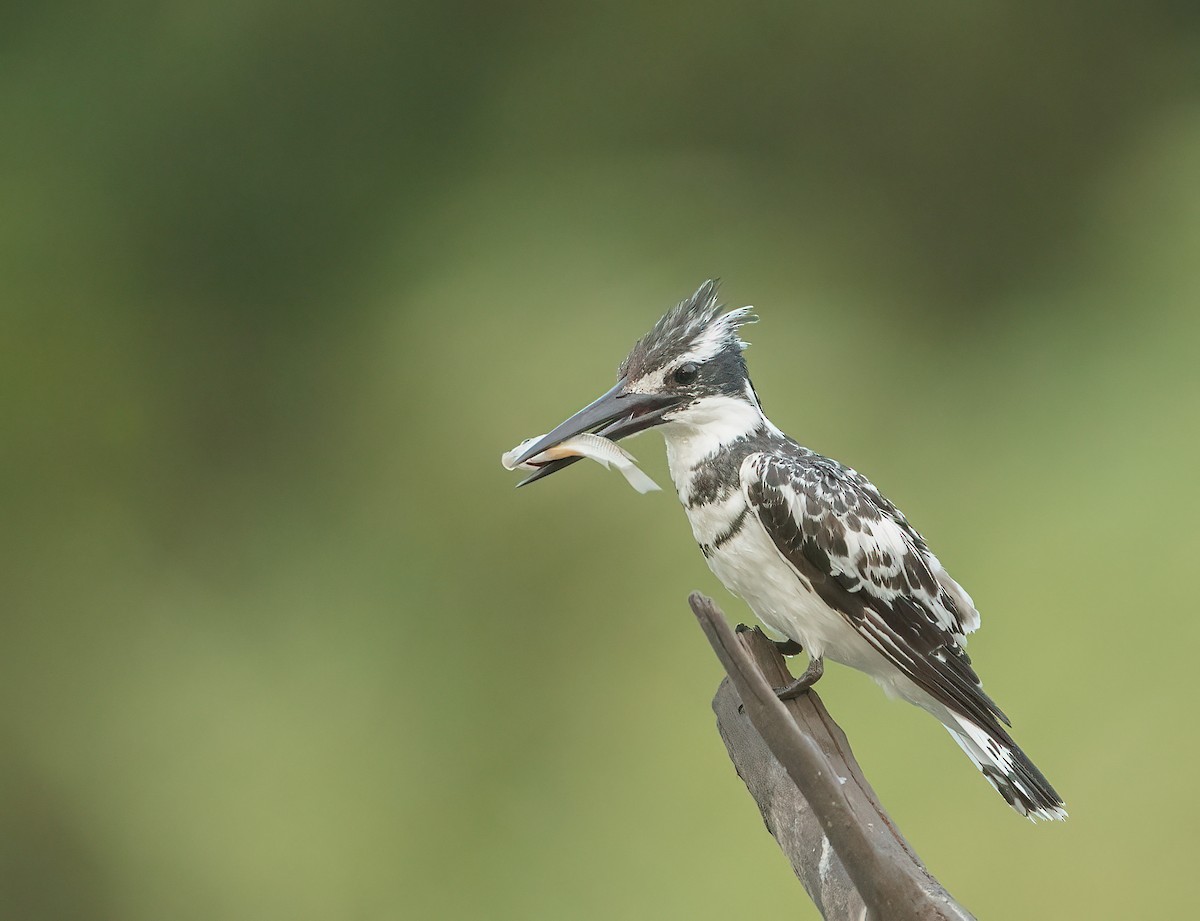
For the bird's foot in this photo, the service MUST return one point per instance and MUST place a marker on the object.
(812, 674)
(785, 647)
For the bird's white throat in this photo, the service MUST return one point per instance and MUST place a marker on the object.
(703, 429)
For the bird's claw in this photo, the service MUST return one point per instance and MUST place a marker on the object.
(812, 674)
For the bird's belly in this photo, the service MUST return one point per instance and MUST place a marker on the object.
(751, 567)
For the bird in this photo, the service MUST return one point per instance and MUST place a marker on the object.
(823, 559)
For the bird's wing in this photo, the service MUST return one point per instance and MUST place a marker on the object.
(867, 563)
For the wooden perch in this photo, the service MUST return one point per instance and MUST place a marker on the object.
(798, 766)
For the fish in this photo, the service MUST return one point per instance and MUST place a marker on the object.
(603, 451)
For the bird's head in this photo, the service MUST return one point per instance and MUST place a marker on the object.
(688, 371)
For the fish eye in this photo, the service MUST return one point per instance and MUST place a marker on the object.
(686, 372)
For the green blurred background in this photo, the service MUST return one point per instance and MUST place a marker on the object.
(281, 281)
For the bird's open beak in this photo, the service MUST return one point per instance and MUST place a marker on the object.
(618, 414)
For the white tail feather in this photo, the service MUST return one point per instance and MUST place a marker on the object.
(1008, 769)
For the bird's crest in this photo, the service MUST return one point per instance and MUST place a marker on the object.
(694, 327)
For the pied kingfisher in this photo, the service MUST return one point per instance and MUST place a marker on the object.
(822, 558)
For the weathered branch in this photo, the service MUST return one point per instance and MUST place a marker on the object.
(798, 766)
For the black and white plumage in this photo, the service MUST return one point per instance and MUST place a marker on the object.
(818, 553)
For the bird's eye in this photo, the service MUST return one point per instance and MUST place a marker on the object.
(686, 372)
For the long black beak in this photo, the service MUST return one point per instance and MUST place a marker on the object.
(615, 415)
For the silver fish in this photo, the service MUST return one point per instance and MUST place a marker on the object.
(601, 450)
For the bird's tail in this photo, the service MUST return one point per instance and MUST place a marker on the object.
(1008, 769)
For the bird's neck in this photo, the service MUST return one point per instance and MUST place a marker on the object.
(708, 430)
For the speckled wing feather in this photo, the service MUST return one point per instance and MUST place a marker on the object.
(865, 561)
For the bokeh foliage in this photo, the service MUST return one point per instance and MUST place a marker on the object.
(282, 281)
